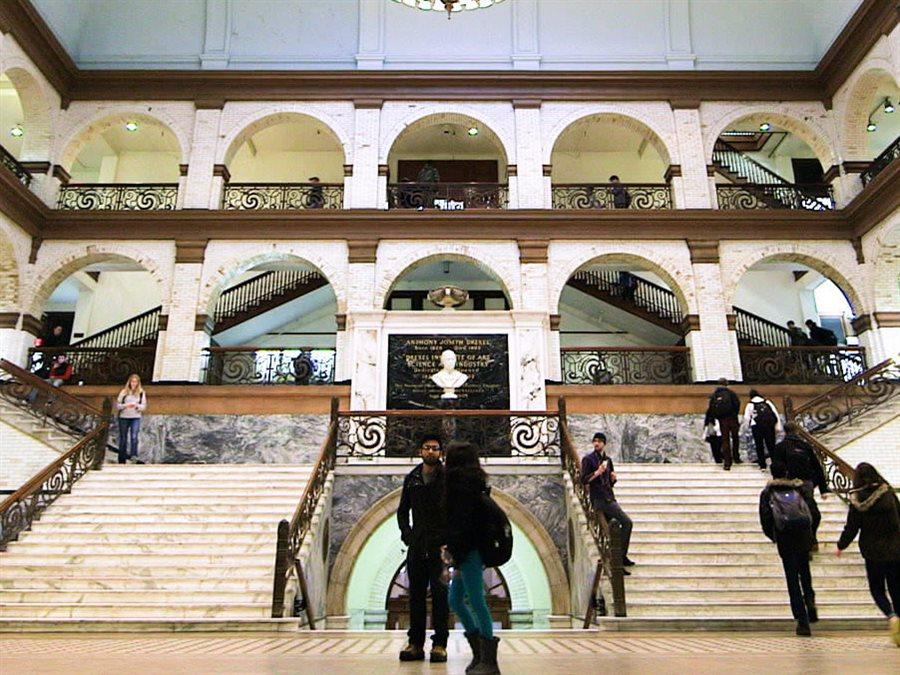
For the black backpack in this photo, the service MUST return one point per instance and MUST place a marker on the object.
(789, 510)
(764, 416)
(496, 542)
(720, 404)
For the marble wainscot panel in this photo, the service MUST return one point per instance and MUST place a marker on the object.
(651, 438)
(544, 496)
(352, 497)
(230, 439)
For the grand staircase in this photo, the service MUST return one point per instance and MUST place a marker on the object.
(162, 546)
(263, 293)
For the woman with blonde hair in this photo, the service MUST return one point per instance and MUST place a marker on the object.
(131, 402)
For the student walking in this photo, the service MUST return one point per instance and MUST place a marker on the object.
(724, 408)
(761, 416)
(712, 434)
(875, 514)
(131, 403)
(801, 462)
(465, 487)
(786, 509)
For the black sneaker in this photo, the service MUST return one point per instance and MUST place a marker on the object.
(803, 630)
(412, 652)
(628, 562)
(626, 572)
(813, 612)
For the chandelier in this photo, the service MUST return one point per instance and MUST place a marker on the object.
(448, 6)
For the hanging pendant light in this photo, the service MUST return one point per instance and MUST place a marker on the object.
(449, 6)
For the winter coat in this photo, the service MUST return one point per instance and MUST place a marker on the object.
(425, 502)
(877, 518)
(734, 408)
(463, 514)
(801, 461)
(788, 542)
(750, 411)
(601, 488)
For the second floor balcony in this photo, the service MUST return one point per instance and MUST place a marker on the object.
(448, 196)
(775, 196)
(287, 196)
(118, 197)
(612, 196)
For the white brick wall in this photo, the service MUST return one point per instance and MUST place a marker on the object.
(21, 456)
(879, 448)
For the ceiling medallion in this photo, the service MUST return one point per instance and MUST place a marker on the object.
(448, 6)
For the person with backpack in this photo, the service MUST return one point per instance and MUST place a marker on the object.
(599, 474)
(478, 535)
(786, 512)
(724, 407)
(875, 514)
(422, 495)
(762, 417)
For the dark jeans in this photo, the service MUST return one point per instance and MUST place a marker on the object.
(613, 510)
(763, 436)
(881, 575)
(128, 436)
(424, 572)
(730, 429)
(799, 583)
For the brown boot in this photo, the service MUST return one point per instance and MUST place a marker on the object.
(475, 644)
(488, 663)
(412, 652)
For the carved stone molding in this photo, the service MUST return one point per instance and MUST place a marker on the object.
(163, 322)
(533, 250)
(555, 320)
(190, 250)
(731, 320)
(341, 321)
(362, 250)
(703, 250)
(887, 319)
(9, 319)
(61, 174)
(674, 171)
(862, 323)
(222, 171)
(32, 325)
(204, 323)
(690, 323)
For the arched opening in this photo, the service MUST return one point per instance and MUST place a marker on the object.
(14, 129)
(766, 161)
(274, 322)
(102, 317)
(447, 161)
(609, 161)
(126, 161)
(621, 322)
(24, 122)
(872, 125)
(793, 322)
(447, 282)
(285, 161)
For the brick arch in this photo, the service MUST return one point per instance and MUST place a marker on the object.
(886, 273)
(36, 111)
(676, 273)
(384, 508)
(265, 118)
(859, 104)
(805, 128)
(449, 114)
(213, 286)
(9, 273)
(635, 119)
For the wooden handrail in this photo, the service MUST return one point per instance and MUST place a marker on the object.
(659, 348)
(46, 387)
(806, 348)
(218, 350)
(447, 413)
(122, 324)
(856, 382)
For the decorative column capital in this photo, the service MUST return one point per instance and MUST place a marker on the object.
(32, 325)
(221, 171)
(703, 250)
(190, 250)
(204, 323)
(555, 320)
(690, 323)
(674, 171)
(61, 174)
(362, 250)
(862, 323)
(341, 321)
(533, 250)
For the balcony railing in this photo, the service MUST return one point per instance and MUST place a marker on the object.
(96, 365)
(448, 196)
(773, 196)
(801, 365)
(11, 163)
(626, 365)
(269, 365)
(118, 197)
(287, 196)
(609, 196)
(881, 162)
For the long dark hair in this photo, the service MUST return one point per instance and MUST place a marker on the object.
(462, 465)
(866, 479)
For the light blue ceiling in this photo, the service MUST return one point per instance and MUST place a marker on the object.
(547, 34)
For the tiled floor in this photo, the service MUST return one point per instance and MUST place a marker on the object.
(375, 654)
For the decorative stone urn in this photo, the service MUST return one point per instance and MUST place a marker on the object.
(448, 297)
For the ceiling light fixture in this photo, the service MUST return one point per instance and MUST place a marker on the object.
(17, 131)
(888, 106)
(472, 131)
(131, 125)
(765, 126)
(449, 6)
(871, 126)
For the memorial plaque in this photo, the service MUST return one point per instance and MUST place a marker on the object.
(413, 359)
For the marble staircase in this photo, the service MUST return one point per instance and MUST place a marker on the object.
(703, 562)
(27, 445)
(153, 547)
(868, 421)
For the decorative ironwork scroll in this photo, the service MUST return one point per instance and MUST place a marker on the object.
(97, 365)
(117, 197)
(264, 365)
(288, 196)
(644, 196)
(801, 365)
(448, 196)
(774, 196)
(626, 365)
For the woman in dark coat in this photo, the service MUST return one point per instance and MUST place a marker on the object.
(875, 515)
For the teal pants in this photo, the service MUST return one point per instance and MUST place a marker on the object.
(467, 597)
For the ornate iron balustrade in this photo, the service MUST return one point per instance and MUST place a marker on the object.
(447, 196)
(117, 197)
(838, 473)
(801, 365)
(11, 163)
(634, 290)
(607, 535)
(755, 330)
(881, 162)
(288, 196)
(269, 365)
(626, 365)
(256, 291)
(138, 331)
(604, 196)
(499, 433)
(742, 167)
(291, 535)
(766, 196)
(850, 399)
(97, 365)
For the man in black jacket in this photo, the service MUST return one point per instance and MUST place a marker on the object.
(724, 407)
(802, 464)
(422, 496)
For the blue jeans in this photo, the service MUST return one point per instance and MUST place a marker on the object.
(128, 437)
(467, 597)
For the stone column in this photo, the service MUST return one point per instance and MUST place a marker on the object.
(529, 177)
(182, 185)
(884, 339)
(200, 190)
(369, 187)
(342, 370)
(692, 186)
(531, 362)
(536, 298)
(362, 340)
(42, 183)
(52, 183)
(17, 334)
(547, 185)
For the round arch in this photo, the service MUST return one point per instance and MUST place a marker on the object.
(383, 510)
(263, 119)
(448, 114)
(804, 128)
(35, 110)
(633, 120)
(858, 107)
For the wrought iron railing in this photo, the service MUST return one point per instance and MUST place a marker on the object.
(138, 331)
(880, 163)
(291, 534)
(849, 400)
(96, 365)
(447, 196)
(607, 535)
(801, 365)
(11, 163)
(117, 197)
(742, 167)
(634, 290)
(267, 286)
(283, 196)
(612, 196)
(626, 365)
(268, 365)
(498, 433)
(787, 196)
(838, 473)
(752, 329)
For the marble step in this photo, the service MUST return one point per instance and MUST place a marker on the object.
(22, 556)
(136, 610)
(128, 596)
(200, 509)
(709, 528)
(717, 548)
(730, 569)
(97, 570)
(165, 537)
(704, 506)
(774, 594)
(146, 548)
(269, 496)
(200, 470)
(703, 608)
(148, 625)
(223, 528)
(259, 583)
(189, 485)
(55, 516)
(854, 576)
